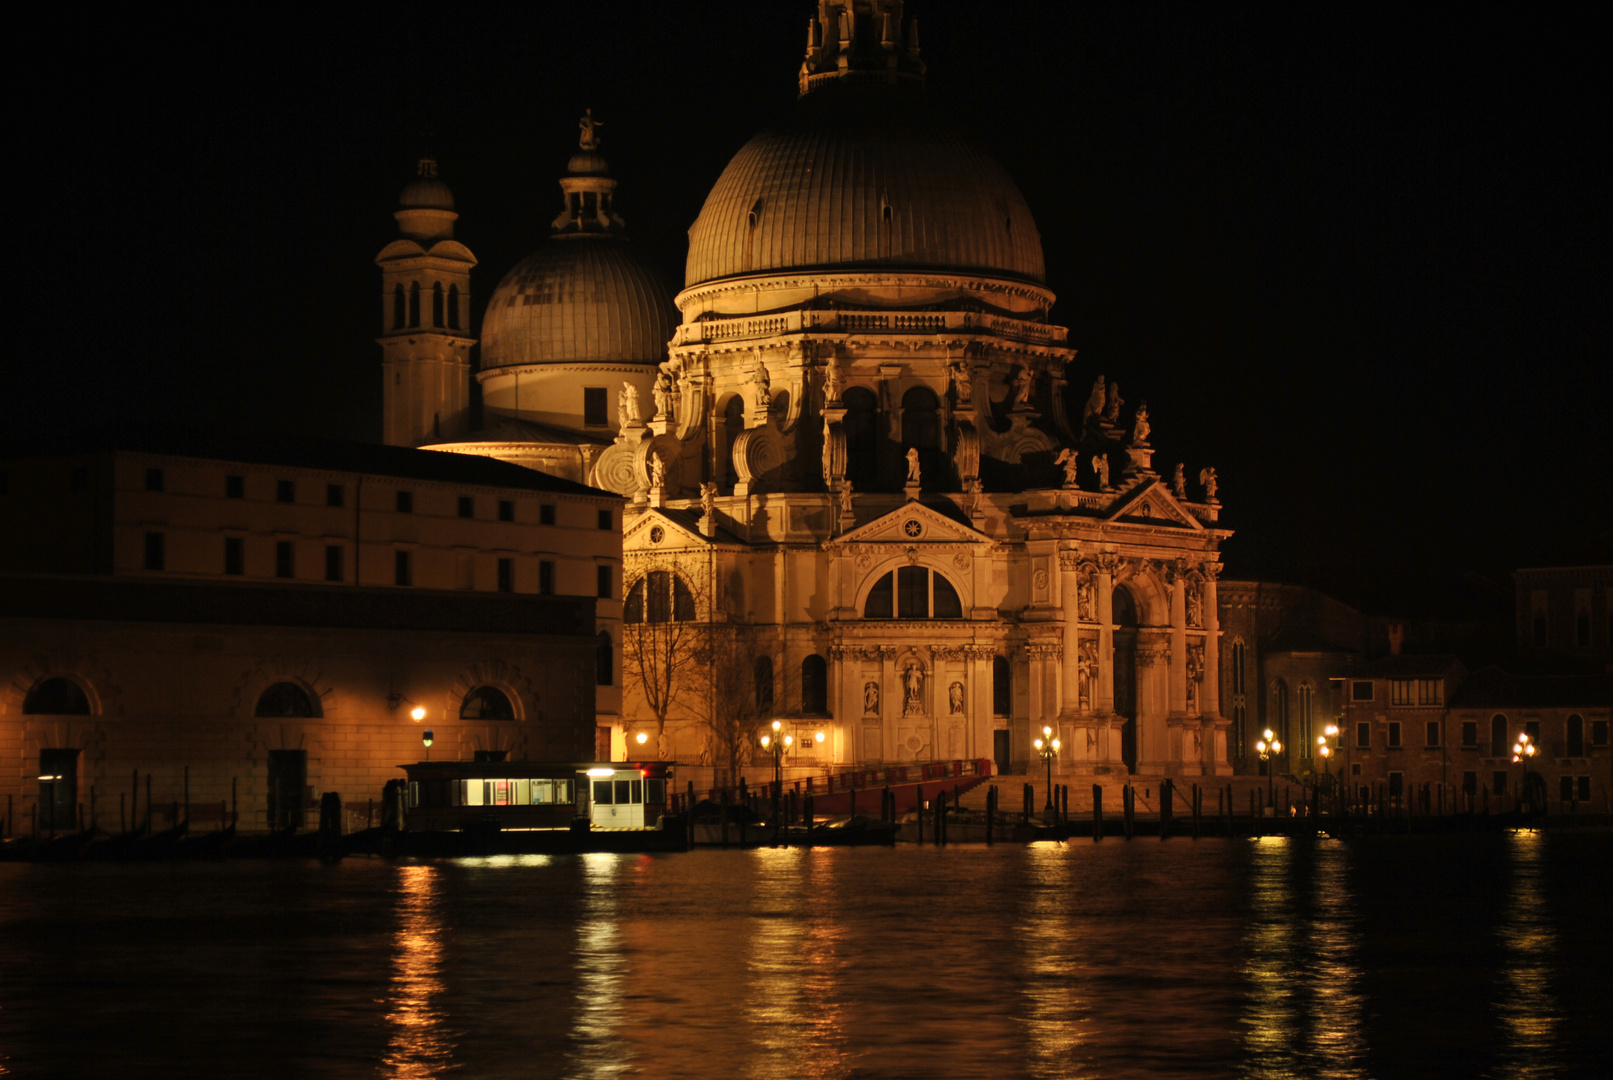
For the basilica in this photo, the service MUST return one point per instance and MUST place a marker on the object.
(856, 443)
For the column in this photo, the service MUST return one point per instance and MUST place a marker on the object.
(1069, 593)
(1178, 674)
(1105, 705)
(1210, 696)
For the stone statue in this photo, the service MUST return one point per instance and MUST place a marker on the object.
(1207, 478)
(1086, 597)
(1139, 431)
(831, 382)
(1179, 482)
(1195, 605)
(1100, 465)
(761, 385)
(912, 689)
(962, 384)
(1094, 405)
(1071, 461)
(1111, 411)
(589, 140)
(1195, 672)
(955, 698)
(912, 465)
(1023, 382)
(657, 471)
(663, 747)
(627, 405)
(870, 699)
(708, 499)
(1086, 665)
(663, 396)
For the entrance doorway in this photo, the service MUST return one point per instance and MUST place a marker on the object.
(288, 780)
(1124, 609)
(1000, 743)
(58, 790)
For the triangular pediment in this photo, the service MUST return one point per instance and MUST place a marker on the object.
(655, 530)
(1153, 504)
(912, 523)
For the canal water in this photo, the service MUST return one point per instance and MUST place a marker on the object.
(1470, 956)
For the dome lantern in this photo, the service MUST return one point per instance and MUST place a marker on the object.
(861, 42)
(426, 207)
(588, 186)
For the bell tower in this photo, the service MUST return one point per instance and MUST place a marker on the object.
(425, 318)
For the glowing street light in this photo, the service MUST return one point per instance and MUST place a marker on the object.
(418, 712)
(1523, 750)
(1267, 746)
(1048, 747)
(426, 739)
(641, 738)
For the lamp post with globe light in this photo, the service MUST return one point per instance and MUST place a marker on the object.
(1324, 749)
(1522, 751)
(778, 743)
(1048, 747)
(1267, 746)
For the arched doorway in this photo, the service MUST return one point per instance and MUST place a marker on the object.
(1124, 608)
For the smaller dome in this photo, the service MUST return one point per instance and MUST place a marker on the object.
(587, 163)
(426, 191)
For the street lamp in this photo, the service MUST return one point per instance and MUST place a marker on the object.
(418, 712)
(1048, 747)
(1523, 750)
(1267, 746)
(1324, 750)
(426, 739)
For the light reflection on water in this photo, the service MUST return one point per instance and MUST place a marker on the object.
(1280, 958)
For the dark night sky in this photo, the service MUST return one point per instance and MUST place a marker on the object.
(1354, 257)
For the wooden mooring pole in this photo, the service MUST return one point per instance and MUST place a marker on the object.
(1097, 812)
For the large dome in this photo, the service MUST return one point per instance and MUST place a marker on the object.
(861, 177)
(579, 298)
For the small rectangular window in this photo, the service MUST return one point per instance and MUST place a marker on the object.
(1361, 690)
(1598, 732)
(1565, 789)
(155, 555)
(333, 562)
(546, 514)
(1433, 733)
(467, 506)
(79, 480)
(1470, 783)
(154, 479)
(400, 568)
(405, 502)
(335, 495)
(1363, 736)
(1401, 691)
(602, 574)
(606, 520)
(1397, 785)
(285, 491)
(1584, 789)
(1470, 734)
(1430, 691)
(235, 487)
(1498, 782)
(603, 792)
(546, 577)
(594, 412)
(506, 510)
(506, 575)
(1394, 733)
(234, 555)
(283, 555)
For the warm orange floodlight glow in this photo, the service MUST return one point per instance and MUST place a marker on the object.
(418, 712)
(641, 738)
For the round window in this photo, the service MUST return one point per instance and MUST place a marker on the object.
(657, 534)
(913, 528)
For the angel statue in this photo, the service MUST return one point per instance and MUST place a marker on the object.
(1100, 465)
(912, 465)
(627, 405)
(708, 499)
(1071, 461)
(1140, 430)
(1207, 478)
(1179, 481)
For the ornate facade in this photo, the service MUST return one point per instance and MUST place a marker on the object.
(862, 451)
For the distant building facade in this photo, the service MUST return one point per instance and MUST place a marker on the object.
(275, 616)
(1566, 612)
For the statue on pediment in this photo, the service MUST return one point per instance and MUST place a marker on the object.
(1207, 478)
(1111, 411)
(1140, 430)
(708, 499)
(627, 412)
(1179, 481)
(1094, 405)
(663, 396)
(1100, 465)
(1070, 461)
(912, 465)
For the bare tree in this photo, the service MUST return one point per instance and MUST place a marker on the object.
(734, 708)
(663, 644)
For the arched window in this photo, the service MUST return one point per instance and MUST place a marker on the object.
(56, 697)
(1279, 701)
(913, 592)
(414, 304)
(1306, 697)
(1002, 686)
(453, 307)
(921, 428)
(604, 660)
(1498, 736)
(814, 685)
(400, 307)
(486, 703)
(1237, 667)
(1576, 736)
(436, 305)
(862, 435)
(763, 669)
(657, 597)
(285, 700)
(733, 424)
